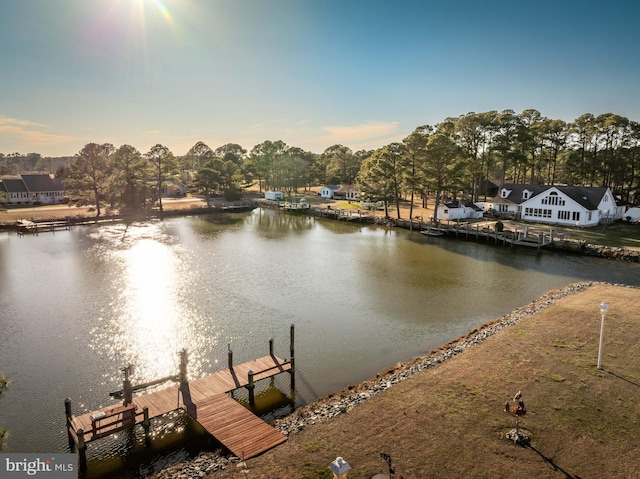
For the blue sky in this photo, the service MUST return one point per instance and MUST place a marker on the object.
(309, 72)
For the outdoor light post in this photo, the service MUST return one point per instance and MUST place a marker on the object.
(603, 311)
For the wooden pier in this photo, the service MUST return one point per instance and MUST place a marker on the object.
(36, 227)
(205, 399)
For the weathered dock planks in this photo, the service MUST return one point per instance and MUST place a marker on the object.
(204, 399)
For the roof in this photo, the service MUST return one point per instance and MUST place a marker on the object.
(36, 183)
(332, 187)
(587, 197)
(345, 188)
(12, 185)
(460, 204)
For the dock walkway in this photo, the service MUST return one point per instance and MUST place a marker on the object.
(205, 400)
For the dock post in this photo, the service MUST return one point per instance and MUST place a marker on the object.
(292, 371)
(82, 449)
(183, 366)
(69, 415)
(270, 346)
(146, 424)
(251, 386)
(127, 389)
(230, 358)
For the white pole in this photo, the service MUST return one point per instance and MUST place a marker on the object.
(603, 310)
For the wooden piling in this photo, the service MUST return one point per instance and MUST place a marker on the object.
(292, 371)
(146, 424)
(69, 415)
(82, 450)
(251, 387)
(230, 359)
(270, 346)
(183, 366)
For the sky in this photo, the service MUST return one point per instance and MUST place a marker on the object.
(312, 73)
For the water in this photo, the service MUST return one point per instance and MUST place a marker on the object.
(78, 305)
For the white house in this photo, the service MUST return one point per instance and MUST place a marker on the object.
(347, 192)
(565, 205)
(457, 211)
(329, 191)
(31, 190)
(274, 195)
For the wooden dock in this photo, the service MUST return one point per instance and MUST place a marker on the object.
(205, 399)
(36, 227)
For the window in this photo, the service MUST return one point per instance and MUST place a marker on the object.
(537, 212)
(564, 215)
(553, 199)
(526, 195)
(575, 216)
(505, 193)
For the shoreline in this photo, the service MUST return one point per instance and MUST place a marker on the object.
(175, 208)
(326, 408)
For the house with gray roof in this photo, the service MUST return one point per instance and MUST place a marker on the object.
(557, 205)
(31, 190)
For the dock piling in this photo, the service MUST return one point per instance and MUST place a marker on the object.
(69, 415)
(270, 346)
(82, 450)
(251, 387)
(292, 372)
(146, 424)
(230, 358)
(183, 366)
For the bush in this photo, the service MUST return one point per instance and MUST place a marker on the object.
(499, 227)
(233, 194)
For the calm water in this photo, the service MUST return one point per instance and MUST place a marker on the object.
(75, 306)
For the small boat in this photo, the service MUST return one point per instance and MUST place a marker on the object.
(431, 233)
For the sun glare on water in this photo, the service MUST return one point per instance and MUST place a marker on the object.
(150, 318)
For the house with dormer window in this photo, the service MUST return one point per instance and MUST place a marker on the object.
(31, 190)
(558, 205)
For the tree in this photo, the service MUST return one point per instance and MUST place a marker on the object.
(231, 152)
(128, 181)
(554, 134)
(88, 174)
(414, 150)
(342, 165)
(506, 123)
(208, 177)
(163, 165)
(266, 160)
(381, 175)
(443, 158)
(195, 158)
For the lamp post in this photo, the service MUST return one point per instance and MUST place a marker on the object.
(603, 311)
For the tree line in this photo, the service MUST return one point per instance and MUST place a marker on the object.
(450, 159)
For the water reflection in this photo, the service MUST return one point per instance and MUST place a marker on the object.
(151, 317)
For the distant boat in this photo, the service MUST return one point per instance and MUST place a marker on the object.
(431, 233)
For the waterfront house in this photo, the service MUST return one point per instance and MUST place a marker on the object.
(557, 205)
(457, 210)
(31, 190)
(346, 192)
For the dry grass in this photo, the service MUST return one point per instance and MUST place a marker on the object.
(449, 421)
